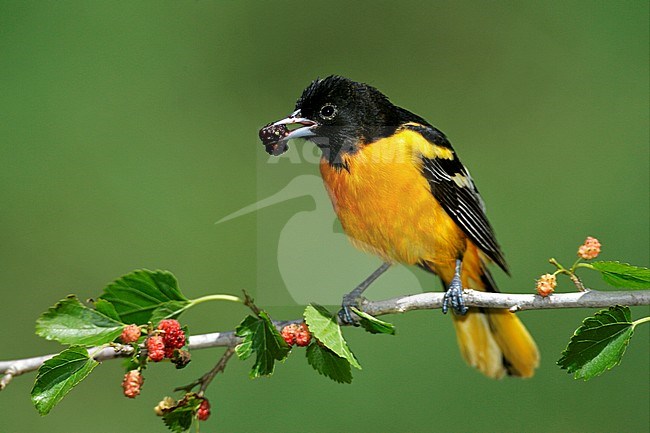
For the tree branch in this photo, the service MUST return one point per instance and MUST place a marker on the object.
(513, 302)
(204, 381)
(400, 304)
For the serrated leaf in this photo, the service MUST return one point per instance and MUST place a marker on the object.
(179, 418)
(136, 295)
(324, 327)
(70, 322)
(260, 336)
(328, 363)
(245, 330)
(58, 375)
(622, 275)
(244, 349)
(372, 324)
(598, 344)
(168, 310)
(107, 309)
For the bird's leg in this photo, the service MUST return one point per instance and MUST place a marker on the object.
(353, 298)
(454, 294)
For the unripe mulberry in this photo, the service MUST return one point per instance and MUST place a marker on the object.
(132, 383)
(289, 333)
(155, 348)
(130, 334)
(303, 336)
(590, 249)
(546, 284)
(163, 405)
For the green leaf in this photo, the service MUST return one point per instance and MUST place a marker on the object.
(107, 309)
(329, 363)
(58, 375)
(324, 327)
(623, 275)
(179, 418)
(599, 343)
(132, 363)
(261, 336)
(70, 322)
(245, 349)
(372, 324)
(168, 310)
(136, 295)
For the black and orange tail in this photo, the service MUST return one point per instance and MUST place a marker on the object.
(492, 340)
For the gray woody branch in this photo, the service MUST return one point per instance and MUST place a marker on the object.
(401, 304)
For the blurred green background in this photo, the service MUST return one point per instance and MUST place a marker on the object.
(127, 129)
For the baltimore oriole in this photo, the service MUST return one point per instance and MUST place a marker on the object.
(401, 192)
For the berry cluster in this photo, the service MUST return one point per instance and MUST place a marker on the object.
(173, 336)
(165, 342)
(298, 335)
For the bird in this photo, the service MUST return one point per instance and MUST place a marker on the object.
(401, 193)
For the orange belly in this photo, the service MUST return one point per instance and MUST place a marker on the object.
(386, 207)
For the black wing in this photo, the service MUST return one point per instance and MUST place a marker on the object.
(453, 187)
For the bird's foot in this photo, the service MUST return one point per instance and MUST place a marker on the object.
(354, 298)
(346, 315)
(454, 295)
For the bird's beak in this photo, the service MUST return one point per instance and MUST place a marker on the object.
(295, 118)
(275, 135)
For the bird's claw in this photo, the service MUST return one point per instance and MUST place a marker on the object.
(346, 315)
(454, 295)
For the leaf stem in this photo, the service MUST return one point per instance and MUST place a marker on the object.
(573, 266)
(571, 272)
(207, 298)
(250, 303)
(640, 321)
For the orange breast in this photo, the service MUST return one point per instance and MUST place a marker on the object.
(385, 205)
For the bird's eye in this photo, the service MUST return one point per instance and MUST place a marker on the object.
(328, 111)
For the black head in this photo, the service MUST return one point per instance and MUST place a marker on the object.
(340, 115)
